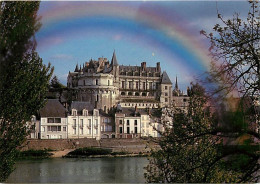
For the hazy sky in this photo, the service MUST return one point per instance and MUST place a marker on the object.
(166, 32)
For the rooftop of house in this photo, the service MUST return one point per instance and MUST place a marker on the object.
(53, 108)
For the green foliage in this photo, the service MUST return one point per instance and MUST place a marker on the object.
(88, 151)
(192, 149)
(31, 154)
(55, 83)
(24, 79)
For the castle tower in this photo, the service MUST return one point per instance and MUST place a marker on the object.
(115, 72)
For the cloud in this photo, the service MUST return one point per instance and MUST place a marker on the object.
(61, 57)
(117, 37)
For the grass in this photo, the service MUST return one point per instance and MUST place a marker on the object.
(31, 154)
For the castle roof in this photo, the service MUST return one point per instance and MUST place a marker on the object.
(165, 78)
(79, 106)
(114, 60)
(53, 108)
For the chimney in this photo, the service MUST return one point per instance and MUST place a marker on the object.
(149, 111)
(158, 67)
(135, 110)
(143, 66)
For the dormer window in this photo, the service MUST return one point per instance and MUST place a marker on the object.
(85, 112)
(74, 112)
(96, 113)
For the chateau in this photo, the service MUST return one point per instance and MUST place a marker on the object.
(106, 100)
(105, 84)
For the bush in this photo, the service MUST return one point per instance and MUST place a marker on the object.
(33, 154)
(87, 151)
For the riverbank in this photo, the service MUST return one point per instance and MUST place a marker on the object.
(61, 146)
(75, 153)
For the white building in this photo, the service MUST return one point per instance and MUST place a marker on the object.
(83, 122)
(53, 123)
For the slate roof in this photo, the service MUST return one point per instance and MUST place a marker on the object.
(53, 108)
(165, 78)
(79, 106)
(114, 60)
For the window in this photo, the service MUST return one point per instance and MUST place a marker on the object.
(89, 122)
(54, 120)
(135, 122)
(81, 123)
(150, 85)
(54, 128)
(120, 130)
(108, 82)
(85, 112)
(123, 84)
(96, 81)
(130, 84)
(120, 122)
(81, 131)
(60, 136)
(50, 120)
(127, 122)
(64, 129)
(128, 130)
(166, 87)
(166, 94)
(43, 129)
(74, 123)
(96, 131)
(143, 85)
(157, 86)
(84, 83)
(74, 112)
(74, 131)
(166, 99)
(96, 122)
(97, 98)
(135, 130)
(136, 85)
(89, 131)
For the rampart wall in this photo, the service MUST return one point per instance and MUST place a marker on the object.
(127, 145)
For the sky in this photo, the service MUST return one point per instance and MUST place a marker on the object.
(152, 31)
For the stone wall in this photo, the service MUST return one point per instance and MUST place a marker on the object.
(127, 145)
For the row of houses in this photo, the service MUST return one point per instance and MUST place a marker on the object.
(81, 120)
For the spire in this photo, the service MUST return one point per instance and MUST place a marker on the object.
(77, 68)
(114, 60)
(176, 83)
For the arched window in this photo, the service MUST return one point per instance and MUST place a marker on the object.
(130, 94)
(122, 93)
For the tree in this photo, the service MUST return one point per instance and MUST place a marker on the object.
(235, 52)
(24, 78)
(55, 83)
(192, 148)
(197, 147)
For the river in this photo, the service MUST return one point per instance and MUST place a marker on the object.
(73, 170)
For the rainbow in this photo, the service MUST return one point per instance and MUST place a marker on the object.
(147, 25)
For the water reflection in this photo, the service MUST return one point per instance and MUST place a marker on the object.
(58, 170)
